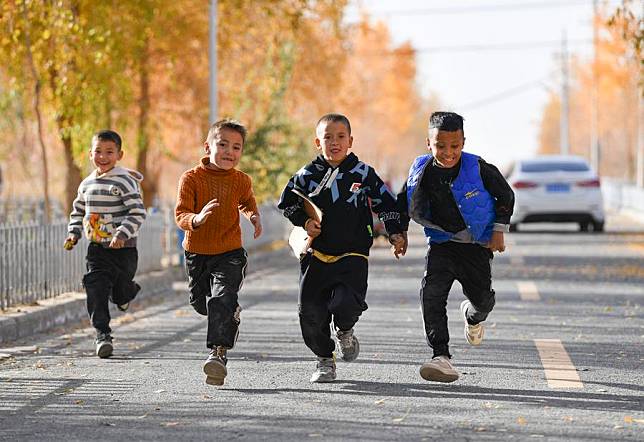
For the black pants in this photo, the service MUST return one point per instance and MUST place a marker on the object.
(109, 277)
(219, 278)
(335, 291)
(469, 264)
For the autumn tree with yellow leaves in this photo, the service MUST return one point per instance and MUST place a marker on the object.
(141, 68)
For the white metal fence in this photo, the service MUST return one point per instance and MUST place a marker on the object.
(34, 265)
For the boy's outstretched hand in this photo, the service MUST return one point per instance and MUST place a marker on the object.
(313, 228)
(70, 242)
(207, 210)
(257, 223)
(399, 244)
(497, 243)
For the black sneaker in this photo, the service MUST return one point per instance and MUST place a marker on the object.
(104, 347)
(215, 366)
(124, 307)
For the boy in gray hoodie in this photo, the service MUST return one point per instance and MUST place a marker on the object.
(109, 209)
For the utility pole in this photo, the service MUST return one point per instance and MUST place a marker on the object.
(212, 55)
(594, 100)
(564, 142)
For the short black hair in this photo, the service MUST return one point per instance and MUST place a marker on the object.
(226, 123)
(334, 118)
(447, 121)
(107, 135)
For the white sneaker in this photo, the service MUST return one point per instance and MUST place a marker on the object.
(473, 333)
(439, 369)
(325, 370)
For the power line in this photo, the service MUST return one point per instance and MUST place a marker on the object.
(503, 94)
(515, 6)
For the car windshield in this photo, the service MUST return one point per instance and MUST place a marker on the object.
(554, 166)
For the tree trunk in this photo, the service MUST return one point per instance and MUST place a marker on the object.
(73, 173)
(36, 104)
(149, 186)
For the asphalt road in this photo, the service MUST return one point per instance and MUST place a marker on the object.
(567, 301)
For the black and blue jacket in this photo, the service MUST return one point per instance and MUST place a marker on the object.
(478, 208)
(342, 193)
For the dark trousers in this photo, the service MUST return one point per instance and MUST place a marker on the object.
(109, 277)
(330, 292)
(469, 264)
(214, 282)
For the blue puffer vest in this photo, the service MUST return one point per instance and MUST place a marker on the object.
(474, 202)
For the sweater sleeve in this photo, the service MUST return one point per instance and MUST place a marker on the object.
(75, 226)
(184, 211)
(136, 211)
(247, 203)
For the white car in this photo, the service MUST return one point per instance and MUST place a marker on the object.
(556, 188)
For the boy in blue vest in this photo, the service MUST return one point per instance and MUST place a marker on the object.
(464, 205)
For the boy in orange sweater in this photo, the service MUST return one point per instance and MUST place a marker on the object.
(209, 200)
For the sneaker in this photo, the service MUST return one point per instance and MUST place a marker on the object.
(123, 307)
(439, 369)
(325, 370)
(104, 347)
(215, 366)
(348, 345)
(473, 333)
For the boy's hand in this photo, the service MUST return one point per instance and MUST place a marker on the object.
(258, 225)
(207, 210)
(70, 242)
(497, 243)
(313, 228)
(117, 243)
(399, 244)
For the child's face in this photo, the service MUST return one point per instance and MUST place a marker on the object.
(226, 149)
(104, 155)
(334, 141)
(446, 147)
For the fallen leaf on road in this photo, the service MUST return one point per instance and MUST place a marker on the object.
(170, 424)
(79, 402)
(480, 429)
(568, 419)
(315, 435)
(402, 418)
(142, 416)
(379, 402)
(182, 313)
(41, 365)
(160, 391)
(521, 420)
(491, 405)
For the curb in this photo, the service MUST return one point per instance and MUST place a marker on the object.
(70, 308)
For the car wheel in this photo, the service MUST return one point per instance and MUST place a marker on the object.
(598, 226)
(513, 227)
(583, 226)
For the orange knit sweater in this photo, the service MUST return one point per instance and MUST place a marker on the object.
(221, 231)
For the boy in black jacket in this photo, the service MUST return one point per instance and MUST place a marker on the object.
(333, 279)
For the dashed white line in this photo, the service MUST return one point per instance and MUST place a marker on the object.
(559, 369)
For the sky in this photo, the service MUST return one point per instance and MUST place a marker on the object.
(492, 61)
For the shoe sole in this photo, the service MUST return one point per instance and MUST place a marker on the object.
(105, 351)
(215, 372)
(322, 380)
(432, 374)
(467, 336)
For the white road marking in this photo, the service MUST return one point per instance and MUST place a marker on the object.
(559, 370)
(528, 291)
